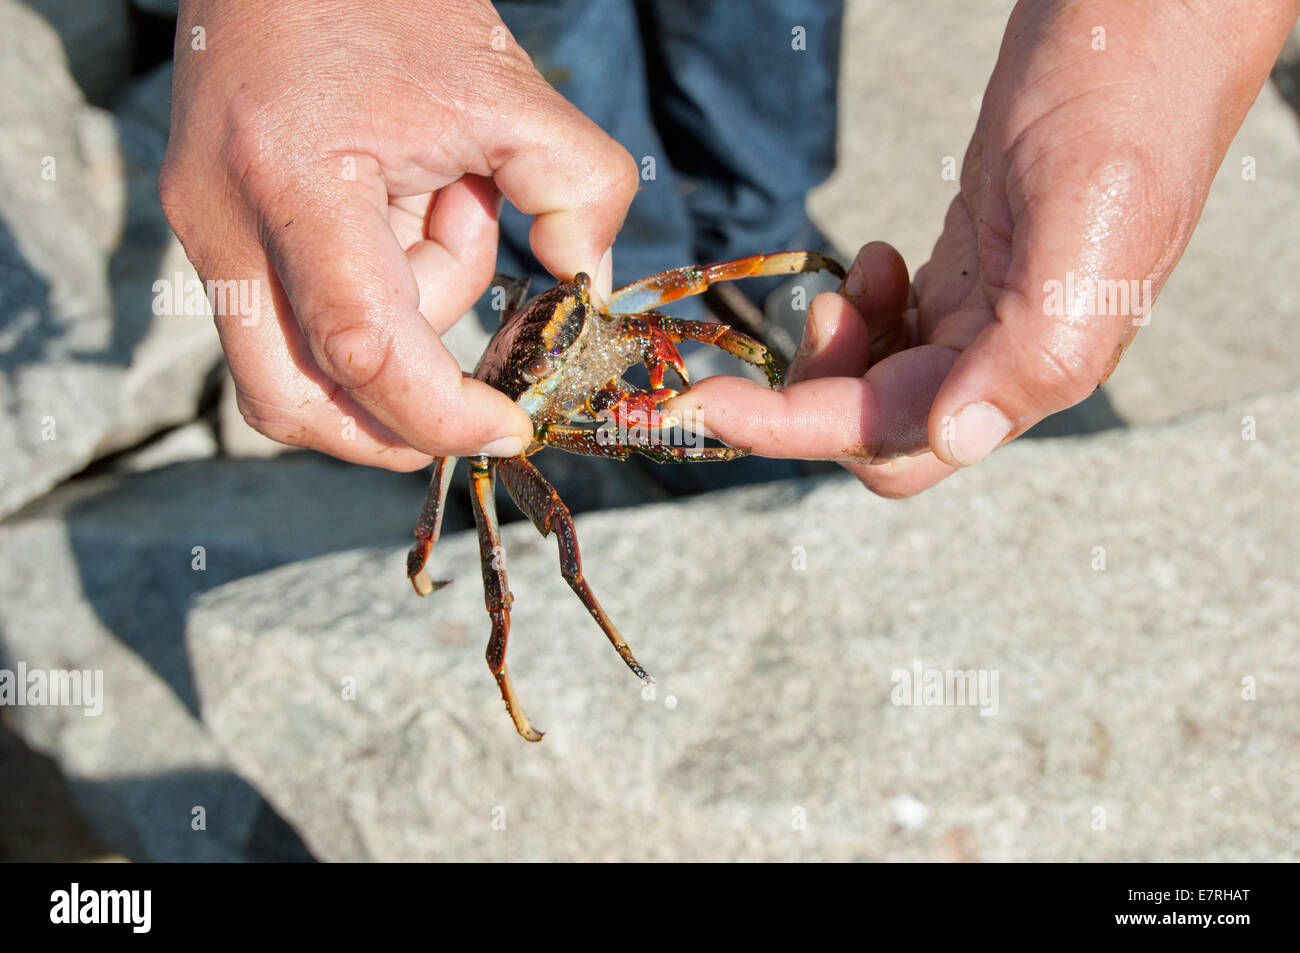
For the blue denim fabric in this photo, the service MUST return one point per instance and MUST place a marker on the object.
(738, 124)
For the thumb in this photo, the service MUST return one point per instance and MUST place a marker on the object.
(1061, 322)
(356, 301)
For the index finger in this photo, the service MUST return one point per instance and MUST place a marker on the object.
(576, 182)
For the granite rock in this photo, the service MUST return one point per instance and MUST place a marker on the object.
(97, 41)
(87, 366)
(99, 575)
(1130, 601)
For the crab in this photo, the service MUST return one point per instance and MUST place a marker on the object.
(561, 357)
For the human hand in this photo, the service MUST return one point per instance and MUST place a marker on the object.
(1085, 167)
(346, 159)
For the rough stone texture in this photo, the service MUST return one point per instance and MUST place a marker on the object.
(86, 368)
(1224, 325)
(96, 38)
(167, 356)
(99, 574)
(193, 441)
(1120, 689)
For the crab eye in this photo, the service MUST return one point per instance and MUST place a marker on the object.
(539, 366)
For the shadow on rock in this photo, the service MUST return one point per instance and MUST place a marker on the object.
(1091, 415)
(145, 545)
(188, 816)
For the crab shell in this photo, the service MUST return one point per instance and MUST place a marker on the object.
(555, 350)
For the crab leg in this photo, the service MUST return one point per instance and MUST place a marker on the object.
(542, 504)
(628, 406)
(429, 527)
(679, 283)
(631, 417)
(658, 350)
(663, 332)
(496, 590)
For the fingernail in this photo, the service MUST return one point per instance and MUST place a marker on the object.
(975, 431)
(808, 344)
(855, 283)
(604, 284)
(503, 447)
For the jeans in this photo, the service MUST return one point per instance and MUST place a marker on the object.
(728, 107)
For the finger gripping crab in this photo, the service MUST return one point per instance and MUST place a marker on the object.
(561, 358)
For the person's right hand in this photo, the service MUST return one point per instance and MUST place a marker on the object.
(350, 160)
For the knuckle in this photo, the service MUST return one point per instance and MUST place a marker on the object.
(176, 195)
(612, 174)
(172, 194)
(353, 354)
(508, 76)
(260, 143)
(1059, 359)
(1068, 373)
(623, 173)
(248, 162)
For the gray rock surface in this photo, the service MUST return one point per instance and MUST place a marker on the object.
(86, 367)
(167, 356)
(99, 574)
(1224, 325)
(188, 443)
(1122, 730)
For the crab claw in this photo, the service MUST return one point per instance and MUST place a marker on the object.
(661, 354)
(424, 585)
(415, 561)
(639, 410)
